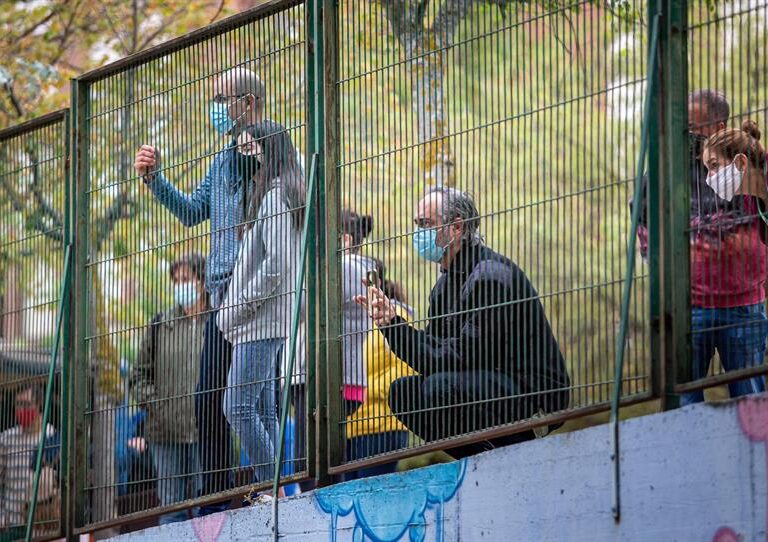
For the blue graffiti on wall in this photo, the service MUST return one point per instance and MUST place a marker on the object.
(388, 507)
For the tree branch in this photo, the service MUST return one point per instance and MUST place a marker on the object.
(406, 17)
(112, 27)
(450, 14)
(122, 207)
(163, 26)
(66, 32)
(19, 205)
(54, 11)
(45, 207)
(135, 34)
(218, 11)
(18, 108)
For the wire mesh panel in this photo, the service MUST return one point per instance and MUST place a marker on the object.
(195, 192)
(726, 111)
(33, 199)
(486, 159)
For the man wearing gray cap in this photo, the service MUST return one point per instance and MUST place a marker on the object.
(238, 101)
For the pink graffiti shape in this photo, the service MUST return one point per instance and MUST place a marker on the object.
(725, 534)
(753, 417)
(208, 528)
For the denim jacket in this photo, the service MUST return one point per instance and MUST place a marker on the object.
(218, 198)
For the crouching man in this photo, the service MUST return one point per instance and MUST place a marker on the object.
(487, 356)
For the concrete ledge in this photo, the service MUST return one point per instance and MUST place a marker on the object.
(694, 474)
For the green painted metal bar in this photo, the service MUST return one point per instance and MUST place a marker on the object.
(67, 338)
(653, 211)
(78, 430)
(676, 188)
(314, 127)
(331, 188)
(629, 276)
(296, 317)
(63, 299)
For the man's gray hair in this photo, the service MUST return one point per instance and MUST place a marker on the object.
(715, 103)
(459, 206)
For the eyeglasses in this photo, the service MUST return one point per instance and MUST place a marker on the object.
(425, 223)
(224, 99)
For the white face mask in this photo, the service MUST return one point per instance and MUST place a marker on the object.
(726, 182)
(185, 294)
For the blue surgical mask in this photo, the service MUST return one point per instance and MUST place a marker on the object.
(219, 114)
(425, 243)
(186, 294)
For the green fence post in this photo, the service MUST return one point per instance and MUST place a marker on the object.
(67, 356)
(630, 271)
(653, 200)
(675, 200)
(332, 189)
(50, 384)
(79, 390)
(315, 89)
(312, 283)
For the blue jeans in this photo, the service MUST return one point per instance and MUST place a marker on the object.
(370, 445)
(739, 335)
(177, 466)
(214, 440)
(250, 402)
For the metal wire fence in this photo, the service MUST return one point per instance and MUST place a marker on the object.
(726, 111)
(33, 199)
(192, 184)
(504, 284)
(476, 164)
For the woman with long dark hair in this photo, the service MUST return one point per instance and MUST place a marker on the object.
(256, 312)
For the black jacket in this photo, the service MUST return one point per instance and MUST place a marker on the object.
(484, 314)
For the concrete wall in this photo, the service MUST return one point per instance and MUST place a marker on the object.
(696, 474)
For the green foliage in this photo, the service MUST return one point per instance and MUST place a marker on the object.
(46, 43)
(546, 148)
(543, 112)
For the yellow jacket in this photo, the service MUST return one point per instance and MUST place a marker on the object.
(374, 415)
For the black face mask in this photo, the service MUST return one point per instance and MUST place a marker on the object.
(248, 165)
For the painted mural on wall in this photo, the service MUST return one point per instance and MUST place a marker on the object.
(394, 507)
(753, 421)
(472, 499)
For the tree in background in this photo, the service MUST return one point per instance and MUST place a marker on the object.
(425, 30)
(47, 42)
(44, 45)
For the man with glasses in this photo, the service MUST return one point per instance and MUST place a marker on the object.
(487, 356)
(238, 101)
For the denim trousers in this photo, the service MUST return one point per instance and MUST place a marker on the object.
(250, 402)
(738, 334)
(177, 466)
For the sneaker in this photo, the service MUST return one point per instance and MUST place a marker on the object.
(254, 498)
